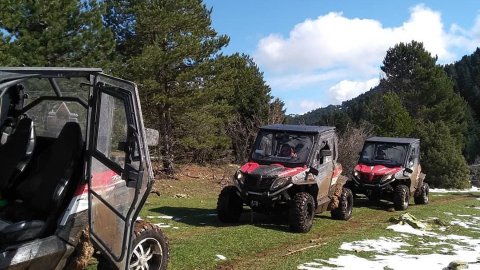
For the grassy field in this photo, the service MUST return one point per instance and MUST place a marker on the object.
(186, 211)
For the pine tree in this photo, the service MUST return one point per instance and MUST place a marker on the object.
(172, 38)
(54, 33)
(391, 118)
(427, 93)
(441, 156)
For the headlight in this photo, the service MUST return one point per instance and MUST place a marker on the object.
(386, 177)
(280, 182)
(240, 177)
(356, 173)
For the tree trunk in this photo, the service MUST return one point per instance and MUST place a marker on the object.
(166, 138)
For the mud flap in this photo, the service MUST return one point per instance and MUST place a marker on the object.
(335, 197)
(421, 178)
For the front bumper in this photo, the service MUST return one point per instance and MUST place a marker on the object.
(372, 186)
(264, 201)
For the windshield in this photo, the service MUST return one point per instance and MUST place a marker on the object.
(388, 154)
(282, 147)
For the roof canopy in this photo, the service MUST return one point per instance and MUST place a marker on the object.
(298, 128)
(392, 140)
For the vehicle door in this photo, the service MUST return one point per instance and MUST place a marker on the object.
(413, 163)
(118, 164)
(325, 161)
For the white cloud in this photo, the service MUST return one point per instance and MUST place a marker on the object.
(308, 105)
(333, 40)
(298, 80)
(346, 89)
(302, 106)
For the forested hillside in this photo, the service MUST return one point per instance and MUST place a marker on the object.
(419, 98)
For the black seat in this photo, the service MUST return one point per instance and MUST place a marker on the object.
(40, 196)
(16, 153)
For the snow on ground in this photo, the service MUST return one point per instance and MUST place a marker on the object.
(411, 249)
(405, 228)
(442, 190)
(220, 257)
(382, 245)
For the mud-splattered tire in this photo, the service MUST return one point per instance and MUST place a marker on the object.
(229, 205)
(422, 195)
(401, 197)
(345, 206)
(150, 249)
(301, 212)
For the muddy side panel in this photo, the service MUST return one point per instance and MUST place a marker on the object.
(42, 254)
(325, 166)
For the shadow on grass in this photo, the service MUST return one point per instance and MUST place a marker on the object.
(201, 217)
(383, 205)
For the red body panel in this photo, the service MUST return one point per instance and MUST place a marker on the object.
(272, 169)
(376, 170)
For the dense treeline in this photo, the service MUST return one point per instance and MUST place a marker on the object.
(418, 98)
(206, 106)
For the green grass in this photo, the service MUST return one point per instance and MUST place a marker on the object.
(197, 237)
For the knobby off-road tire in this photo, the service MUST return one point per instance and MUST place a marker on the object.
(301, 212)
(422, 196)
(401, 196)
(229, 205)
(345, 206)
(150, 249)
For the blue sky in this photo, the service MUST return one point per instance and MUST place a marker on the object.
(316, 53)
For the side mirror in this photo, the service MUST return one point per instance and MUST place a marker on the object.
(408, 170)
(152, 136)
(325, 153)
(313, 171)
(260, 152)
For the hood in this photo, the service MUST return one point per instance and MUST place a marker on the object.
(376, 170)
(272, 170)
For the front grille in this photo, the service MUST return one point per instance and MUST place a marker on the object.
(364, 178)
(258, 183)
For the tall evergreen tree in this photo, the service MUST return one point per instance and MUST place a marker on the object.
(391, 118)
(172, 38)
(237, 82)
(441, 156)
(428, 95)
(54, 33)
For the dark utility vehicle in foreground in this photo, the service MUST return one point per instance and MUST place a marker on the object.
(291, 168)
(389, 168)
(74, 155)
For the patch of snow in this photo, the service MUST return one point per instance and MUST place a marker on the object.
(220, 257)
(464, 215)
(393, 253)
(381, 245)
(406, 228)
(448, 213)
(162, 225)
(438, 195)
(164, 217)
(466, 224)
(442, 190)
(398, 261)
(476, 207)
